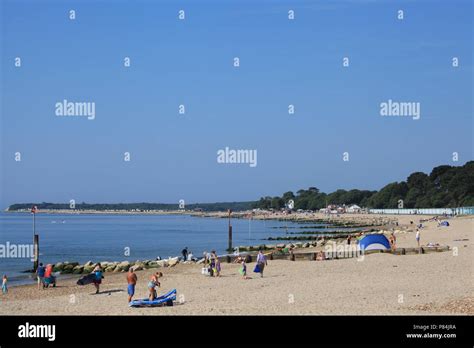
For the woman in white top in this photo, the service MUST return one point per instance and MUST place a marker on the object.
(418, 237)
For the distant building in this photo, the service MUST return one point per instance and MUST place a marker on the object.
(354, 208)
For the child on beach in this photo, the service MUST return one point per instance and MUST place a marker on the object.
(243, 267)
(417, 237)
(4, 284)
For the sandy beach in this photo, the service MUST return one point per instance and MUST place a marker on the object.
(433, 283)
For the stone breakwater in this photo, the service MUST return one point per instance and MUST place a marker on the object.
(123, 266)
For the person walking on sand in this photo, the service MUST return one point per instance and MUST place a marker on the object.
(417, 237)
(261, 262)
(132, 281)
(184, 252)
(98, 277)
(243, 267)
(40, 275)
(4, 284)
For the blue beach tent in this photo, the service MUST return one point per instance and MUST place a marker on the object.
(374, 242)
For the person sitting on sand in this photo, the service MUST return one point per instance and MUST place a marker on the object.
(320, 256)
(152, 284)
(4, 284)
(49, 278)
(132, 281)
(98, 277)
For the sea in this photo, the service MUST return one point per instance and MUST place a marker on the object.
(118, 237)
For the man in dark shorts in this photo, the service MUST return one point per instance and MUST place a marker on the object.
(40, 275)
(132, 281)
(98, 277)
(184, 252)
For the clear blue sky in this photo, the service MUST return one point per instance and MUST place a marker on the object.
(190, 62)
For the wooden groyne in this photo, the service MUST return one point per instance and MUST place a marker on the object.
(312, 255)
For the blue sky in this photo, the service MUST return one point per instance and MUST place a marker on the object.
(190, 62)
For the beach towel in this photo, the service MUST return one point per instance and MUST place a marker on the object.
(87, 279)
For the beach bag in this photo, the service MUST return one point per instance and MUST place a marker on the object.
(205, 271)
(257, 268)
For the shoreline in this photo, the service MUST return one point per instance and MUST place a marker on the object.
(298, 240)
(352, 224)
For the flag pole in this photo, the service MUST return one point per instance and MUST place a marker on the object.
(230, 232)
(35, 241)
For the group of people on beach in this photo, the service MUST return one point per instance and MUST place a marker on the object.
(44, 276)
(187, 255)
(152, 284)
(259, 267)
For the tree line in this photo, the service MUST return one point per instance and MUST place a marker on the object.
(446, 186)
(220, 206)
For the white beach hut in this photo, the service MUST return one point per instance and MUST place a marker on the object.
(354, 208)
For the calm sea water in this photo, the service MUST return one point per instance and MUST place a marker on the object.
(100, 237)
